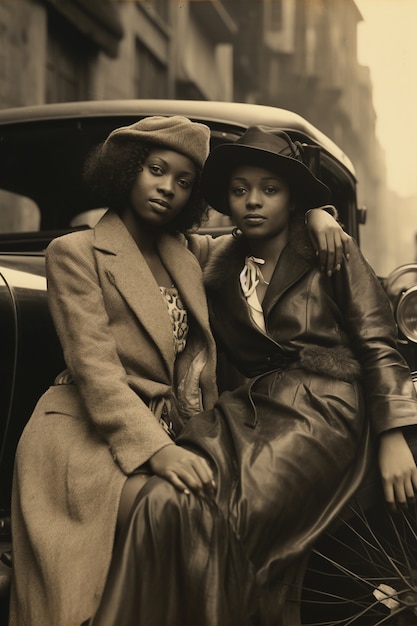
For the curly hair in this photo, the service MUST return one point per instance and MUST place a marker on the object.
(110, 178)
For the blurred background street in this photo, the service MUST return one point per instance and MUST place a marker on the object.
(348, 66)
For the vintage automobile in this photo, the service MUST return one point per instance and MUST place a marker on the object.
(42, 149)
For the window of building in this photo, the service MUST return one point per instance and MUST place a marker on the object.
(68, 58)
(274, 15)
(157, 7)
(151, 76)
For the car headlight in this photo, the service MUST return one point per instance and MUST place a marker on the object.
(406, 314)
(401, 287)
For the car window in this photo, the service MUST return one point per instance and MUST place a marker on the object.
(18, 213)
(88, 218)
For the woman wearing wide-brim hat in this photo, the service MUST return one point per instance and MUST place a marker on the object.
(262, 148)
(288, 447)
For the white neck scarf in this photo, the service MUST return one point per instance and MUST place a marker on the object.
(250, 277)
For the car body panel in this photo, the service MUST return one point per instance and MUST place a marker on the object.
(30, 353)
(42, 150)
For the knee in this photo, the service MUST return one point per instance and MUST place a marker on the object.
(161, 507)
(130, 491)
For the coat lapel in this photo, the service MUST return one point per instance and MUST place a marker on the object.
(290, 268)
(128, 271)
(186, 274)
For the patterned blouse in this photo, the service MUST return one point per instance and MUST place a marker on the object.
(178, 315)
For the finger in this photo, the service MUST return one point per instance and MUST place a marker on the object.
(409, 489)
(346, 245)
(399, 492)
(322, 252)
(176, 481)
(339, 251)
(199, 469)
(389, 495)
(414, 479)
(190, 477)
(205, 474)
(330, 261)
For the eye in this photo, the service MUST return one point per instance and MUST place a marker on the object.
(156, 169)
(238, 190)
(185, 183)
(270, 190)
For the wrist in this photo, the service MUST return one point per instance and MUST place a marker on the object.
(328, 208)
(394, 434)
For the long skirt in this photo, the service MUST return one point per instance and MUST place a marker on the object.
(288, 451)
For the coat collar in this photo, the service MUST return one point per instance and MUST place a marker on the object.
(295, 261)
(128, 271)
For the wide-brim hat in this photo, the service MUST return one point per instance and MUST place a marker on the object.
(270, 149)
(175, 133)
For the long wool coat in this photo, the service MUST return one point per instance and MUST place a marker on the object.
(83, 439)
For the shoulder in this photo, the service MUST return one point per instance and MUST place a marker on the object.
(70, 250)
(76, 240)
(226, 261)
(204, 247)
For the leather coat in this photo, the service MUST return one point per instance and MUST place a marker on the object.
(343, 327)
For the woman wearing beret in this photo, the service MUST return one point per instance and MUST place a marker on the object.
(287, 448)
(128, 303)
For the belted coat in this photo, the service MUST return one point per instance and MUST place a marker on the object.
(288, 446)
(341, 326)
(293, 442)
(86, 437)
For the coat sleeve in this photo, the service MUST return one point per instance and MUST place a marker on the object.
(205, 247)
(90, 351)
(389, 391)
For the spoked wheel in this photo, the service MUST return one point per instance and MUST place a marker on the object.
(364, 573)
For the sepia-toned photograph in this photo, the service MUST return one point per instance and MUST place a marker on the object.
(208, 313)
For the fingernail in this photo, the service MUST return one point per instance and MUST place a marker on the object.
(347, 256)
(338, 266)
(329, 273)
(213, 484)
(187, 492)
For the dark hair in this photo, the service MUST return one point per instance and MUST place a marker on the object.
(110, 178)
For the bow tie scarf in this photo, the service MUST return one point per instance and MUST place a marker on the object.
(250, 277)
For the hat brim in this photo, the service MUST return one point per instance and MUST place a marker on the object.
(310, 191)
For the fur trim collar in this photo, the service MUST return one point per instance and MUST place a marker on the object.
(229, 257)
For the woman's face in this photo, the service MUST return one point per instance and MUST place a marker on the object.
(259, 201)
(162, 189)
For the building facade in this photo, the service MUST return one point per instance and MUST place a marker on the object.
(295, 54)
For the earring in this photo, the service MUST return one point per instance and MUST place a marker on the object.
(236, 232)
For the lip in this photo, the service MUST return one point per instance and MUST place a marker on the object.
(254, 219)
(159, 204)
